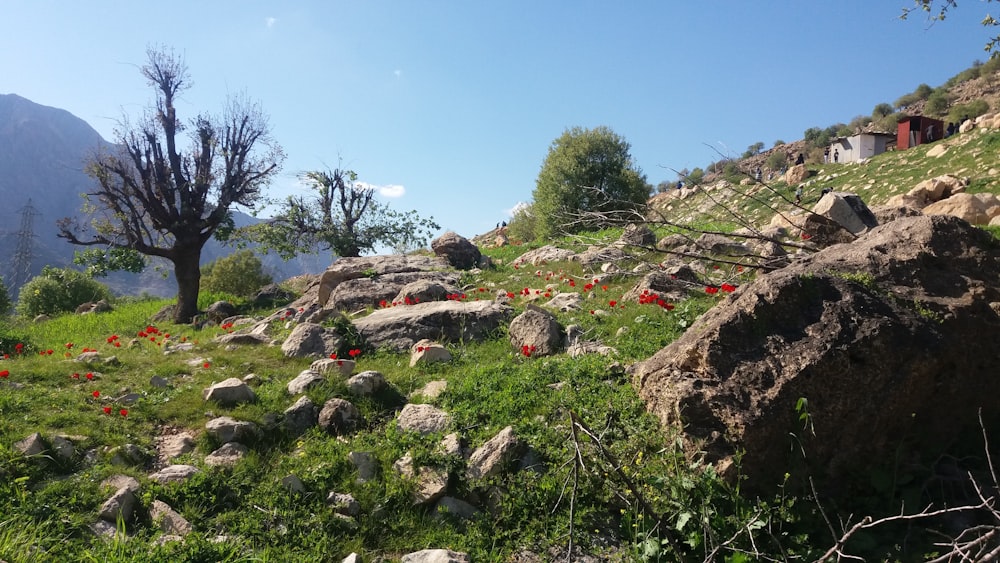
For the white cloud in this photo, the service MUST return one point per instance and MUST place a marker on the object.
(517, 207)
(391, 191)
(269, 22)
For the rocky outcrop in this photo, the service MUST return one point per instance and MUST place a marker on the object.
(311, 340)
(373, 267)
(457, 250)
(847, 210)
(868, 342)
(399, 328)
(536, 332)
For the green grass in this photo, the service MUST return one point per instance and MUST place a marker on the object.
(48, 504)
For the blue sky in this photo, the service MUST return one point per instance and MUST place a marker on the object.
(450, 107)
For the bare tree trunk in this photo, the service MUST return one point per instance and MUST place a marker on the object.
(187, 270)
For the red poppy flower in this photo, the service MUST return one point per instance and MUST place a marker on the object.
(75, 376)
(90, 375)
(604, 287)
(107, 410)
(420, 349)
(355, 353)
(206, 365)
(572, 283)
(333, 356)
(69, 345)
(118, 344)
(612, 303)
(123, 412)
(49, 351)
(711, 290)
(4, 373)
(96, 394)
(806, 236)
(728, 288)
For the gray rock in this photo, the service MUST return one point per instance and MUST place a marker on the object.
(120, 481)
(456, 507)
(311, 340)
(174, 474)
(63, 448)
(230, 392)
(300, 417)
(369, 267)
(366, 383)
(226, 429)
(120, 505)
(339, 417)
(293, 484)
(169, 521)
(171, 446)
(538, 330)
(343, 503)
(493, 456)
(304, 381)
(455, 248)
(219, 311)
(399, 328)
(423, 419)
(435, 556)
(227, 455)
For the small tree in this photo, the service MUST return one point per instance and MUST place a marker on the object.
(241, 274)
(587, 171)
(159, 199)
(343, 217)
(522, 224)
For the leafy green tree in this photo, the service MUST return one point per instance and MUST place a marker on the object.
(59, 290)
(343, 217)
(881, 110)
(776, 160)
(754, 149)
(241, 274)
(696, 177)
(159, 199)
(522, 224)
(937, 103)
(937, 10)
(586, 174)
(969, 110)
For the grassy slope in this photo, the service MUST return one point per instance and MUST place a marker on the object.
(46, 504)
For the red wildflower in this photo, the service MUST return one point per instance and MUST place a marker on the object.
(806, 236)
(355, 353)
(69, 345)
(612, 303)
(75, 376)
(4, 373)
(49, 351)
(123, 412)
(728, 288)
(206, 365)
(711, 290)
(90, 375)
(572, 283)
(107, 410)
(588, 287)
(118, 344)
(96, 394)
(510, 294)
(420, 348)
(591, 311)
(333, 356)
(383, 303)
(739, 268)
(604, 287)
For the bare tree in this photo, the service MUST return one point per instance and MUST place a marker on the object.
(159, 199)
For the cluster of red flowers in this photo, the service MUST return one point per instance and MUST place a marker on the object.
(453, 297)
(4, 373)
(527, 350)
(726, 288)
(227, 326)
(647, 298)
(407, 301)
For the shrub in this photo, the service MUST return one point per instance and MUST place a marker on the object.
(937, 103)
(522, 225)
(777, 160)
(59, 290)
(970, 110)
(240, 274)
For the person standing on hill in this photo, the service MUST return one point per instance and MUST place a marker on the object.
(798, 195)
(836, 155)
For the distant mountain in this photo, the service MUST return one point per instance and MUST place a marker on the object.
(42, 156)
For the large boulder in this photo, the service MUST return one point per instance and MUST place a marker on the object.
(847, 210)
(400, 328)
(372, 267)
(537, 332)
(311, 340)
(544, 255)
(868, 343)
(457, 249)
(796, 174)
(965, 206)
(376, 291)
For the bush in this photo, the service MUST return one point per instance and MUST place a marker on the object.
(587, 174)
(970, 110)
(240, 274)
(59, 290)
(937, 103)
(522, 225)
